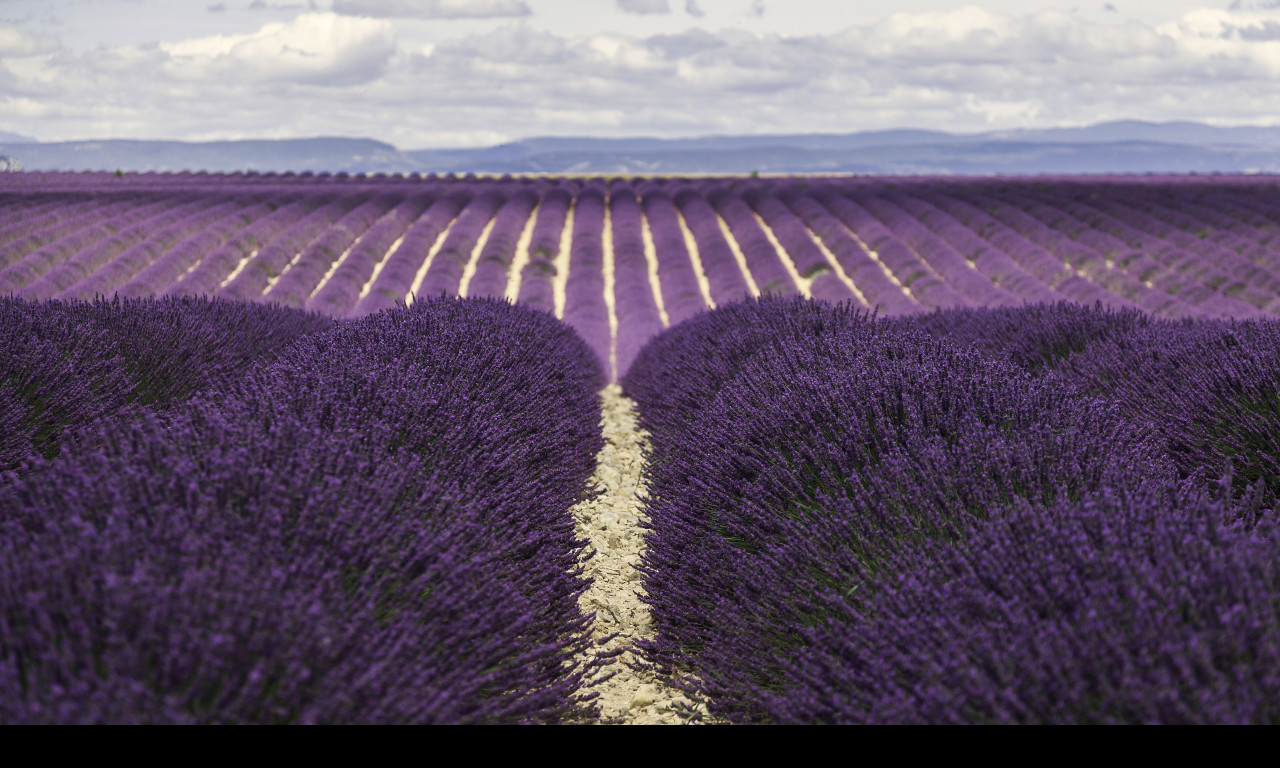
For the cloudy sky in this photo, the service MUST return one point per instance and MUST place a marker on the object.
(437, 73)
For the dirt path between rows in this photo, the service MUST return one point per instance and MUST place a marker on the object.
(611, 522)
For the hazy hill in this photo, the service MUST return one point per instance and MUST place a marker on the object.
(320, 154)
(1117, 147)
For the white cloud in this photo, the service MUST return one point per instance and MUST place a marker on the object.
(16, 43)
(316, 48)
(433, 9)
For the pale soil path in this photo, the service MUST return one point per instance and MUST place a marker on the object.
(804, 284)
(835, 265)
(737, 254)
(271, 281)
(611, 524)
(377, 268)
(328, 275)
(691, 245)
(426, 262)
(515, 275)
(876, 258)
(473, 261)
(610, 299)
(561, 277)
(234, 273)
(651, 256)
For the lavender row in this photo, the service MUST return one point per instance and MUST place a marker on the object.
(68, 363)
(875, 285)
(763, 261)
(537, 278)
(1177, 247)
(395, 280)
(1182, 273)
(341, 291)
(1125, 259)
(444, 276)
(74, 234)
(1209, 390)
(30, 232)
(1199, 218)
(810, 262)
(51, 270)
(1037, 338)
(256, 275)
(26, 216)
(1237, 217)
(191, 251)
(941, 258)
(219, 222)
(992, 263)
(1049, 614)
(380, 534)
(1085, 260)
(494, 265)
(585, 309)
(911, 273)
(1132, 257)
(681, 295)
(1026, 253)
(1205, 388)
(725, 281)
(634, 303)
(311, 266)
(147, 236)
(183, 273)
(852, 521)
(1227, 272)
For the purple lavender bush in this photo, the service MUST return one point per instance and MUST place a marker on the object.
(75, 361)
(56, 370)
(371, 528)
(1210, 388)
(679, 372)
(795, 483)
(1135, 606)
(585, 309)
(537, 279)
(176, 346)
(1036, 336)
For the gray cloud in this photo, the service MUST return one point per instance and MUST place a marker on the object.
(643, 6)
(756, 8)
(433, 9)
(259, 5)
(216, 8)
(1261, 31)
(692, 8)
(685, 44)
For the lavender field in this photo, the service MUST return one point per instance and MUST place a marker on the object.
(621, 260)
(309, 448)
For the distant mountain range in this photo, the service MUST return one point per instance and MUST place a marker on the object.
(1116, 147)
